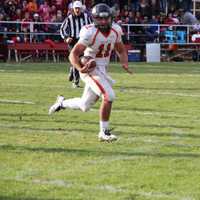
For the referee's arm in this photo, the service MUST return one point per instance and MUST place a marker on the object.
(89, 19)
(64, 28)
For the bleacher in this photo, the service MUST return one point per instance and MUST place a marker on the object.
(36, 51)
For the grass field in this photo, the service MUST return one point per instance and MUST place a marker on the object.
(156, 116)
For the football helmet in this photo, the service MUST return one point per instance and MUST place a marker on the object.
(102, 17)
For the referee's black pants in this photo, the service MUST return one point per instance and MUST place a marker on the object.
(74, 75)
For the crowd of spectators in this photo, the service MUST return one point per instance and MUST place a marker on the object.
(126, 12)
(35, 11)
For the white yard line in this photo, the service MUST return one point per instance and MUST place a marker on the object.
(153, 92)
(59, 183)
(156, 113)
(163, 195)
(34, 85)
(15, 101)
(108, 188)
(109, 159)
(12, 70)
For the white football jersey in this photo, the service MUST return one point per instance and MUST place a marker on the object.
(100, 45)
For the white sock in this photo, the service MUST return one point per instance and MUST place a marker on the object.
(72, 103)
(103, 125)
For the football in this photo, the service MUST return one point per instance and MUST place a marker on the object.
(89, 61)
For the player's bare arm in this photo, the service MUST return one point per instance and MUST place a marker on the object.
(75, 60)
(75, 54)
(122, 54)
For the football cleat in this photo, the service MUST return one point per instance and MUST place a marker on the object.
(57, 105)
(106, 135)
(74, 85)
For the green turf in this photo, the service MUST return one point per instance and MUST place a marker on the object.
(156, 116)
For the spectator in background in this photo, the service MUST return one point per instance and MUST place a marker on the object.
(123, 11)
(146, 37)
(55, 28)
(172, 5)
(163, 5)
(32, 6)
(130, 17)
(24, 6)
(46, 18)
(138, 16)
(161, 19)
(59, 19)
(18, 15)
(4, 28)
(152, 31)
(183, 4)
(27, 18)
(52, 27)
(25, 27)
(196, 37)
(59, 16)
(38, 28)
(3, 39)
(44, 9)
(155, 6)
(196, 27)
(135, 5)
(116, 14)
(137, 31)
(176, 16)
(189, 18)
(2, 25)
(53, 10)
(18, 18)
(10, 8)
(39, 2)
(125, 18)
(145, 8)
(170, 19)
(58, 4)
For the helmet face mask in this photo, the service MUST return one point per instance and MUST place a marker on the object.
(102, 17)
(103, 23)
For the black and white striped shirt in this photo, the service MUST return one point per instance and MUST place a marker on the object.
(73, 24)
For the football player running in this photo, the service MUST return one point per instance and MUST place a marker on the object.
(97, 40)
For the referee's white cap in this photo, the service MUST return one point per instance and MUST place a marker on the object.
(77, 4)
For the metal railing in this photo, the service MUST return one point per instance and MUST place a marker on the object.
(19, 28)
(50, 29)
(161, 29)
(162, 33)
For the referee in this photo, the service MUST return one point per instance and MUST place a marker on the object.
(69, 31)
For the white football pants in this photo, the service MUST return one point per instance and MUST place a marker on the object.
(97, 84)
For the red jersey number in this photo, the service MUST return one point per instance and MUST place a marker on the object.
(104, 50)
